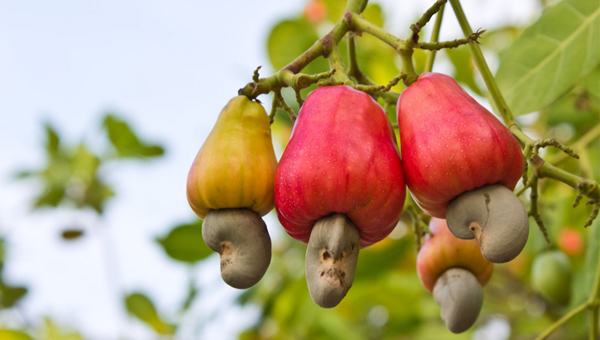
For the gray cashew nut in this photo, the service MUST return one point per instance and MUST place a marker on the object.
(331, 259)
(460, 296)
(495, 217)
(241, 238)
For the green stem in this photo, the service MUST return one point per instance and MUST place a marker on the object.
(319, 49)
(544, 169)
(416, 27)
(336, 63)
(434, 38)
(433, 46)
(562, 320)
(482, 65)
(356, 6)
(360, 24)
(352, 60)
(404, 48)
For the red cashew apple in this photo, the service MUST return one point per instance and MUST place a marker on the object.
(230, 185)
(461, 163)
(339, 185)
(455, 272)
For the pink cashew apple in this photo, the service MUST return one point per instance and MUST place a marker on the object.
(230, 185)
(339, 185)
(455, 272)
(461, 163)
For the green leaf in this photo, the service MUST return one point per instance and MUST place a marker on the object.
(289, 39)
(126, 141)
(191, 296)
(140, 306)
(464, 71)
(583, 285)
(374, 14)
(52, 139)
(184, 243)
(7, 334)
(152, 150)
(51, 196)
(54, 332)
(71, 234)
(96, 195)
(121, 136)
(561, 48)
(10, 295)
(592, 82)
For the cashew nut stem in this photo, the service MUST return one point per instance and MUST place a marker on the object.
(331, 259)
(240, 237)
(460, 296)
(495, 217)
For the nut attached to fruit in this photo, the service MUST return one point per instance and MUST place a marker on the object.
(339, 185)
(230, 185)
(455, 271)
(495, 217)
(460, 296)
(240, 237)
(331, 259)
(451, 145)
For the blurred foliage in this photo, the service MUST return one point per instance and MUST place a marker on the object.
(140, 306)
(73, 174)
(184, 243)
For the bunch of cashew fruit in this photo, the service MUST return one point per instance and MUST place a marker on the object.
(340, 186)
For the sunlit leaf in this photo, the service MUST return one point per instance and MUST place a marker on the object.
(191, 296)
(561, 48)
(53, 332)
(50, 197)
(288, 39)
(464, 68)
(121, 136)
(9, 295)
(335, 9)
(7, 334)
(151, 150)
(140, 306)
(592, 82)
(184, 243)
(374, 14)
(52, 139)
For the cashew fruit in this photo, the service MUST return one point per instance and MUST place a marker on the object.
(342, 158)
(339, 185)
(455, 272)
(235, 168)
(230, 185)
(443, 251)
(461, 163)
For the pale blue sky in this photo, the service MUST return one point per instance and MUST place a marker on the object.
(168, 67)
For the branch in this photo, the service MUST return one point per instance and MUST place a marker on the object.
(436, 46)
(416, 27)
(434, 38)
(282, 79)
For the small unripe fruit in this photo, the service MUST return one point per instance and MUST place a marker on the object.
(551, 276)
